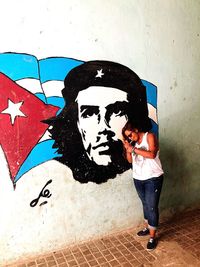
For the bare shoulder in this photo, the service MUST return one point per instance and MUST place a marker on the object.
(151, 138)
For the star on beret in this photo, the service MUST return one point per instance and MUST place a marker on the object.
(99, 73)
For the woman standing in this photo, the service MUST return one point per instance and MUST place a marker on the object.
(141, 148)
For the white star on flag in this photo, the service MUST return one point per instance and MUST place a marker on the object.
(13, 110)
(99, 73)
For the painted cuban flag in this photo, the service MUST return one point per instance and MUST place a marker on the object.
(24, 138)
(151, 91)
(30, 92)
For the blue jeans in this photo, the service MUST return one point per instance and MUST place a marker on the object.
(149, 193)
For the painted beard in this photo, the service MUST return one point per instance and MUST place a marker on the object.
(69, 145)
(85, 170)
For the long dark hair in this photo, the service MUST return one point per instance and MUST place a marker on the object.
(140, 126)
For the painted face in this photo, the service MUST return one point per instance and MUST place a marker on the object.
(101, 117)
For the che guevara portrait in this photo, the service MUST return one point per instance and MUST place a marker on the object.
(100, 97)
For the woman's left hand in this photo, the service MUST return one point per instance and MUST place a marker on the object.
(128, 146)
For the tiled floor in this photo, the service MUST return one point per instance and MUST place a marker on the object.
(179, 245)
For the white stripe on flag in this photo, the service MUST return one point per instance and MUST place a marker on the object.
(46, 136)
(152, 113)
(32, 85)
(53, 88)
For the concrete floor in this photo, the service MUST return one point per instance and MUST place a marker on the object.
(179, 245)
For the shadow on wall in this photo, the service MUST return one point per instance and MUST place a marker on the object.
(181, 166)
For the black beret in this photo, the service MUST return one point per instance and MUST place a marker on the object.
(102, 73)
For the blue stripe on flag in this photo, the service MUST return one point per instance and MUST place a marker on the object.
(154, 128)
(42, 97)
(56, 101)
(56, 68)
(19, 66)
(41, 153)
(151, 91)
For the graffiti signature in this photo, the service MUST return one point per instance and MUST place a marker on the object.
(44, 193)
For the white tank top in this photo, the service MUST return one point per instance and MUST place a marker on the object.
(145, 168)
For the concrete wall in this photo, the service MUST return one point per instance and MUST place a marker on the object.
(160, 41)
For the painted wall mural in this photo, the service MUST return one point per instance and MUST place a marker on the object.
(71, 111)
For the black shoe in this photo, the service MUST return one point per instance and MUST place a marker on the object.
(143, 232)
(152, 243)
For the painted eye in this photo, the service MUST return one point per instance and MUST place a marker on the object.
(118, 108)
(89, 112)
(118, 112)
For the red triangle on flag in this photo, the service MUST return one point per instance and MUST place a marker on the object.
(21, 126)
